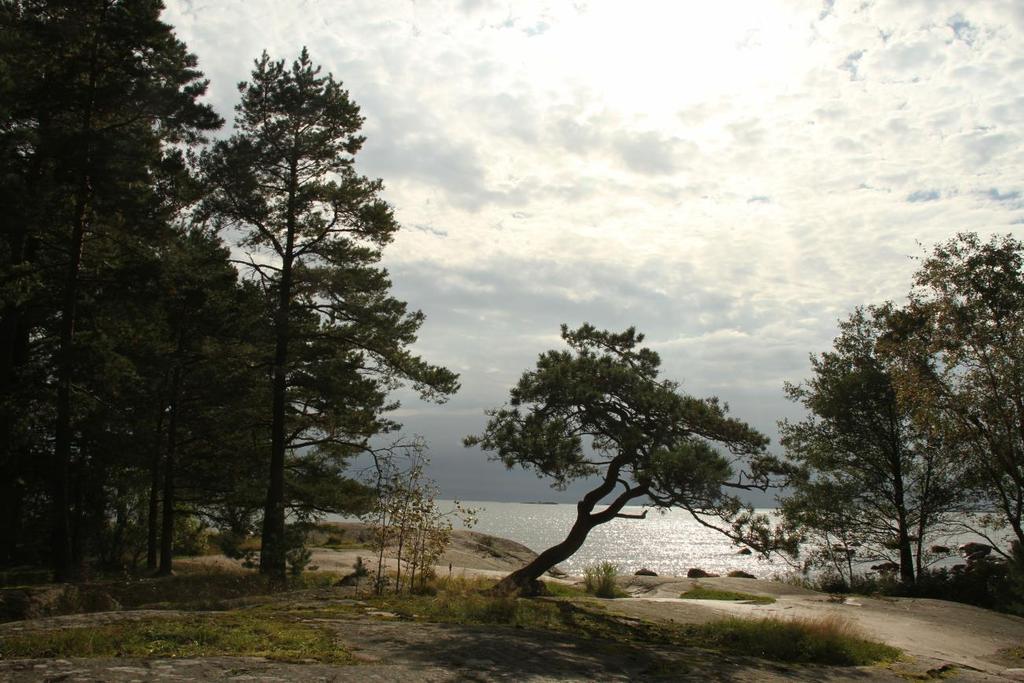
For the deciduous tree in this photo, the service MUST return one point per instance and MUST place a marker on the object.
(873, 485)
(958, 348)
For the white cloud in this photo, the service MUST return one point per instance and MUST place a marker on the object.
(734, 178)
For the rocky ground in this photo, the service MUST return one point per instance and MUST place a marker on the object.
(940, 639)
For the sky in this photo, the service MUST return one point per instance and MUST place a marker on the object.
(732, 178)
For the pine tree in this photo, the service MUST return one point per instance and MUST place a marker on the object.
(313, 229)
(99, 87)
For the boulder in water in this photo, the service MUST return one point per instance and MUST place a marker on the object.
(644, 571)
(697, 573)
(740, 574)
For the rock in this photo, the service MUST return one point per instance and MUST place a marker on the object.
(40, 601)
(975, 550)
(1013, 674)
(557, 573)
(886, 568)
(100, 602)
(939, 550)
(740, 574)
(744, 551)
(697, 573)
(644, 571)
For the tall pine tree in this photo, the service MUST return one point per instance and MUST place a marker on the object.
(312, 229)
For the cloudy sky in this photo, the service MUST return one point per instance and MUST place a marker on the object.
(730, 177)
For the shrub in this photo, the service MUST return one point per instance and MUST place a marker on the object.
(297, 554)
(600, 580)
(191, 536)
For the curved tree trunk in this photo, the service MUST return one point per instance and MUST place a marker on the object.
(524, 581)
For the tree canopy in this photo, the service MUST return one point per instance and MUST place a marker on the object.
(600, 410)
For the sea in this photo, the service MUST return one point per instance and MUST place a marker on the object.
(668, 542)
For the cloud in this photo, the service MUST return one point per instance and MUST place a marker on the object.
(981, 146)
(650, 153)
(962, 29)
(923, 196)
(1004, 196)
(632, 166)
(850, 63)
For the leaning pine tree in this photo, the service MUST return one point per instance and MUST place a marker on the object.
(312, 229)
(599, 410)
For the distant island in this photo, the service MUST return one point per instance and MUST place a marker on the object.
(539, 502)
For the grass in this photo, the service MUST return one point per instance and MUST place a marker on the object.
(279, 627)
(828, 640)
(699, 592)
(1014, 654)
(463, 601)
(600, 580)
(563, 590)
(821, 641)
(239, 634)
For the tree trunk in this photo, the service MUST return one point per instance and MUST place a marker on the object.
(167, 526)
(14, 337)
(152, 518)
(899, 502)
(524, 581)
(77, 516)
(64, 568)
(62, 561)
(272, 547)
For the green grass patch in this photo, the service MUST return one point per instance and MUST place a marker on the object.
(463, 601)
(198, 635)
(699, 592)
(563, 590)
(601, 580)
(820, 641)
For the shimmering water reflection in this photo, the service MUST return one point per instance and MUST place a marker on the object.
(667, 543)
